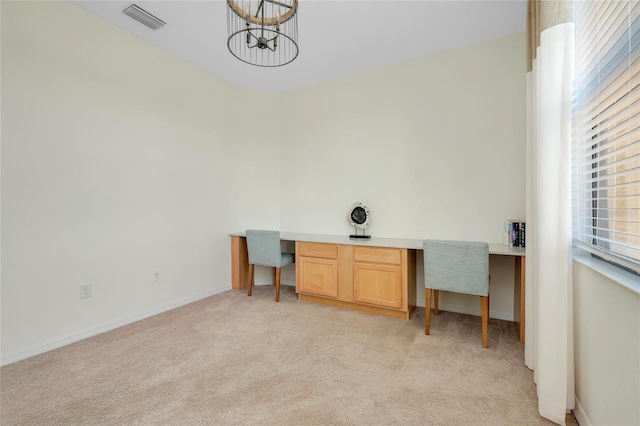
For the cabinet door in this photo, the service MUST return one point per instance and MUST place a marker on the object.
(318, 276)
(377, 284)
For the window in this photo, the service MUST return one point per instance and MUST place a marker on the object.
(606, 131)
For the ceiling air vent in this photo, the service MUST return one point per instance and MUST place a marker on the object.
(144, 17)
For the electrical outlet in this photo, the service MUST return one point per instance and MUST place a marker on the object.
(85, 291)
(156, 276)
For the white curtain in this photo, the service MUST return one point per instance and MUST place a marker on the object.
(549, 290)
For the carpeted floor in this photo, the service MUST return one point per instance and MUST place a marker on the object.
(237, 360)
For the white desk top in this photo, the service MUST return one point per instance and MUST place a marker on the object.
(408, 243)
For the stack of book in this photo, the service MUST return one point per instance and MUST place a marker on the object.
(514, 233)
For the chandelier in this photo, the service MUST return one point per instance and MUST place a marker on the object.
(263, 32)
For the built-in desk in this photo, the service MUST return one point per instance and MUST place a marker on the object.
(351, 261)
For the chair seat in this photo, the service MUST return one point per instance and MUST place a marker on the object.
(286, 259)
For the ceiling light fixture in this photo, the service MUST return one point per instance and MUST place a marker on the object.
(263, 32)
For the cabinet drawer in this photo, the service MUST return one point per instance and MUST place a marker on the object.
(324, 251)
(389, 256)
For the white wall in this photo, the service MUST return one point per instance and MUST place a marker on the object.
(435, 148)
(118, 160)
(607, 349)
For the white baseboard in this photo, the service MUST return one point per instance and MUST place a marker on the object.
(471, 310)
(580, 415)
(270, 282)
(460, 309)
(58, 343)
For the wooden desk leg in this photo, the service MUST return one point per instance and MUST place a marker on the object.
(519, 295)
(239, 263)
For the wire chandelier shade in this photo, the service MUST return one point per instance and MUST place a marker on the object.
(263, 32)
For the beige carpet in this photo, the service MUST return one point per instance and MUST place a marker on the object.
(232, 359)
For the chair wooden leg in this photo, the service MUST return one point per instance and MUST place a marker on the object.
(427, 310)
(274, 276)
(250, 279)
(436, 293)
(278, 275)
(485, 321)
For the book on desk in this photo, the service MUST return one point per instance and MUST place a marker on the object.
(514, 233)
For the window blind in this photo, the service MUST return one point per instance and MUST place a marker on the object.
(606, 130)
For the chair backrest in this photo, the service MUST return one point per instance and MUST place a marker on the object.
(264, 247)
(458, 266)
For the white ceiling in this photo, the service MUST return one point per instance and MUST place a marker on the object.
(336, 37)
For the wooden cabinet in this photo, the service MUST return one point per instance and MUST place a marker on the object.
(378, 285)
(377, 280)
(377, 276)
(317, 269)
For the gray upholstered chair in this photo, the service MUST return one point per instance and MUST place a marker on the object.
(264, 249)
(458, 266)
